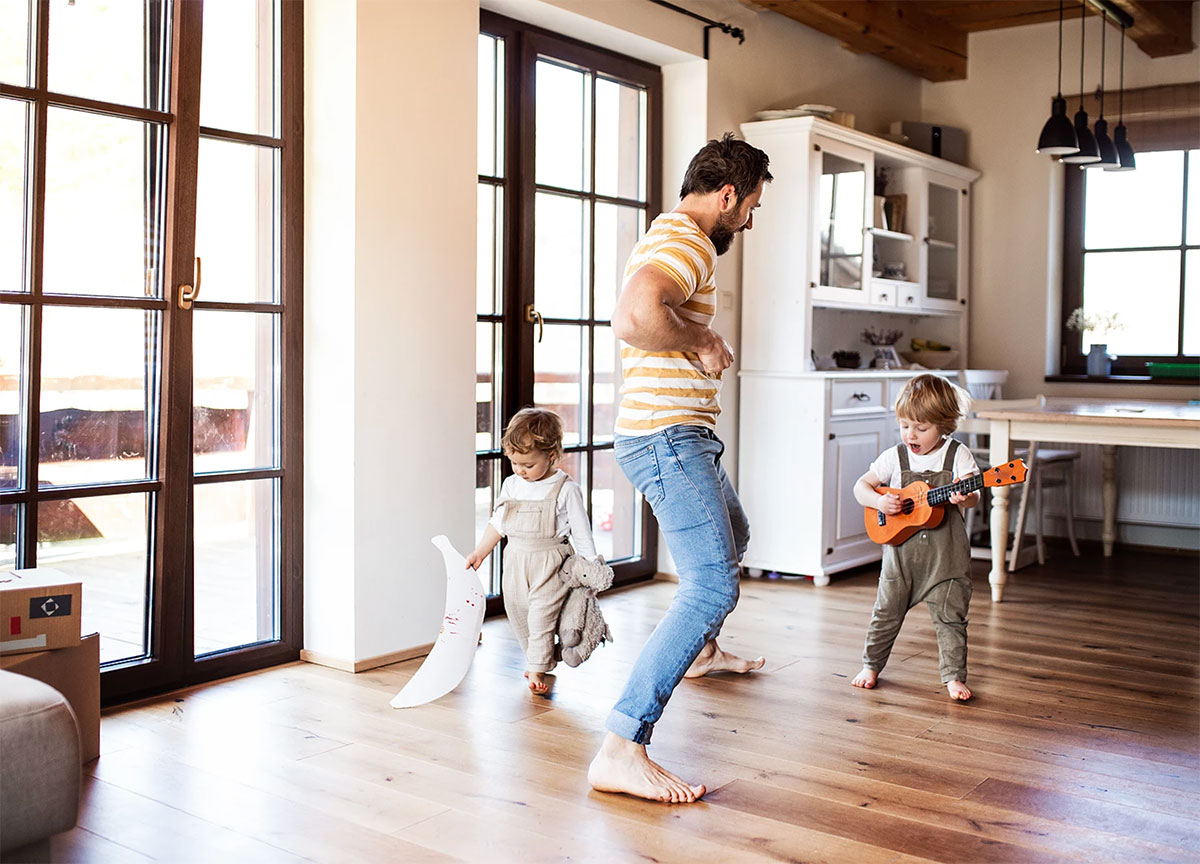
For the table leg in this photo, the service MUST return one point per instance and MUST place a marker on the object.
(1000, 449)
(1108, 475)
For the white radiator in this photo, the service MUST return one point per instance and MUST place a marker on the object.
(1156, 487)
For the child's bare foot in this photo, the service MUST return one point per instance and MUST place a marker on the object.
(712, 659)
(866, 678)
(958, 690)
(623, 766)
(539, 683)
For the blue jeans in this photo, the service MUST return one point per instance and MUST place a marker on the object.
(679, 472)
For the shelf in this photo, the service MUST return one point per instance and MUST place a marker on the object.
(889, 235)
(940, 244)
(899, 283)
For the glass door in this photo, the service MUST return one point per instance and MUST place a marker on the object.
(944, 255)
(842, 241)
(102, 258)
(566, 184)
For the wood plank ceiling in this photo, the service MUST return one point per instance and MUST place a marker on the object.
(929, 37)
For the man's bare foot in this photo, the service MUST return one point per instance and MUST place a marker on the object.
(712, 659)
(866, 678)
(539, 682)
(623, 766)
(958, 690)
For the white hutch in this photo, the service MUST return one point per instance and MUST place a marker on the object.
(812, 279)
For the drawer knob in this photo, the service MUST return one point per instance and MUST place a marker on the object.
(861, 397)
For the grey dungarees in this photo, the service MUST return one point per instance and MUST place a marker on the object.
(932, 565)
(533, 591)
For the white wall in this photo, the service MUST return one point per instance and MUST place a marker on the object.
(389, 316)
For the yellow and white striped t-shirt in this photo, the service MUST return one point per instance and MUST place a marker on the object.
(669, 388)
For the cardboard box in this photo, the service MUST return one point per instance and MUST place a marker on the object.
(75, 673)
(40, 609)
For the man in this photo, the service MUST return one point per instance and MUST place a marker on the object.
(667, 446)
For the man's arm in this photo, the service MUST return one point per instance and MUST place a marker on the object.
(646, 318)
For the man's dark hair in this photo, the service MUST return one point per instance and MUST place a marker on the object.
(726, 160)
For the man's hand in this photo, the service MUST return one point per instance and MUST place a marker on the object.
(717, 357)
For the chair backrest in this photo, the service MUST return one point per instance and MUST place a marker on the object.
(984, 383)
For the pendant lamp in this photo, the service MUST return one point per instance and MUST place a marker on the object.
(1088, 151)
(1058, 135)
(1124, 150)
(1108, 152)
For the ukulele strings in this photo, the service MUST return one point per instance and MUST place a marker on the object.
(965, 486)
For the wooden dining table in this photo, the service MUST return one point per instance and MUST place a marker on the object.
(1108, 422)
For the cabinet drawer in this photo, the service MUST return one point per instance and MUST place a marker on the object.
(908, 296)
(883, 293)
(855, 397)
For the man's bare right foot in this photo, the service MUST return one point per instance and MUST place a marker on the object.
(712, 659)
(958, 690)
(866, 678)
(539, 683)
(623, 766)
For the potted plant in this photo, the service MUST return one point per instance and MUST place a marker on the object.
(1100, 324)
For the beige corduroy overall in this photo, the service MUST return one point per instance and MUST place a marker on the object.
(533, 591)
(933, 565)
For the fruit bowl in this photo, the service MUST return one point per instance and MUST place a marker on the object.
(931, 359)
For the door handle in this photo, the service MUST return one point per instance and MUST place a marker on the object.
(535, 317)
(188, 293)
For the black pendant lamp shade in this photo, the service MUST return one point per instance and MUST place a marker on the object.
(1058, 135)
(1124, 150)
(1108, 152)
(1088, 151)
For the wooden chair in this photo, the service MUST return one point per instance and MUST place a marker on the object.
(1048, 468)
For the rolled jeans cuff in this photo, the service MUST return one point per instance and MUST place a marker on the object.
(637, 731)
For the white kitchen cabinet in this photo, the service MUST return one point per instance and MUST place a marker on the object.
(814, 436)
(816, 271)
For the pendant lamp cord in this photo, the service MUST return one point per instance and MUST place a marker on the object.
(1060, 19)
(1103, 54)
(1082, 46)
(1122, 97)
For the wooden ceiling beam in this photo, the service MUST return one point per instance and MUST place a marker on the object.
(1161, 28)
(897, 31)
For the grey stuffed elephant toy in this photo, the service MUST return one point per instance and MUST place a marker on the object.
(581, 627)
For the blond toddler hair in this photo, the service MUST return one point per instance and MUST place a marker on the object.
(534, 430)
(932, 399)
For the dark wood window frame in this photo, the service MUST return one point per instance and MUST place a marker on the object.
(170, 663)
(1072, 361)
(524, 43)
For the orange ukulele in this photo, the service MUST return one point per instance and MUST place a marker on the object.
(922, 507)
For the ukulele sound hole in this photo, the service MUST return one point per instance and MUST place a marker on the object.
(907, 506)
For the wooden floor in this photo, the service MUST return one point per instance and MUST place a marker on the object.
(1081, 743)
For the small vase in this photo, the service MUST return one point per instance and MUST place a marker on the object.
(1099, 363)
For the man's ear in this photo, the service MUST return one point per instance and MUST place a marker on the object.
(727, 198)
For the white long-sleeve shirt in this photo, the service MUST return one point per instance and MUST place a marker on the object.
(571, 517)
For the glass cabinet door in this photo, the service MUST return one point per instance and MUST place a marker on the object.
(840, 220)
(944, 253)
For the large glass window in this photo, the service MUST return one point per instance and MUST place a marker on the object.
(149, 379)
(1132, 263)
(565, 191)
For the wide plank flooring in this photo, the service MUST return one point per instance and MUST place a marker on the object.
(1082, 743)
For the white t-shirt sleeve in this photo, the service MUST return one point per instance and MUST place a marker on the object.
(886, 464)
(964, 463)
(570, 504)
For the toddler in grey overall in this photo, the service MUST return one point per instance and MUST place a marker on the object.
(533, 591)
(932, 565)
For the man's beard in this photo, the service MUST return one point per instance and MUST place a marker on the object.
(723, 234)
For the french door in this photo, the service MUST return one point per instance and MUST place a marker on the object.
(568, 178)
(150, 175)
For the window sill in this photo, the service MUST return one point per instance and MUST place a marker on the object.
(1119, 379)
